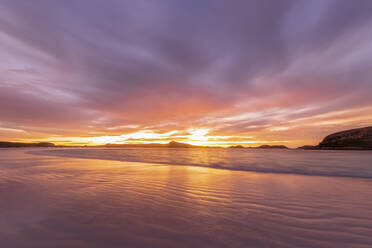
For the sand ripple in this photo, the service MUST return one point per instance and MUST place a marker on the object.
(68, 202)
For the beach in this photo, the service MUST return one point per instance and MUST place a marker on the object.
(54, 201)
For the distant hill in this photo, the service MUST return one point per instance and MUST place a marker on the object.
(272, 147)
(238, 146)
(4, 144)
(262, 147)
(172, 144)
(179, 145)
(308, 147)
(354, 139)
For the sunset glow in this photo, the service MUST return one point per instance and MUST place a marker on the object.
(185, 123)
(197, 137)
(144, 72)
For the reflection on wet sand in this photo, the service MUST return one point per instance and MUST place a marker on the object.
(68, 202)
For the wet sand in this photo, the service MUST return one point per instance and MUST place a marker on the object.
(48, 201)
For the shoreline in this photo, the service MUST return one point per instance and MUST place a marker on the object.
(54, 152)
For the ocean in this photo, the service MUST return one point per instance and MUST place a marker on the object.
(305, 162)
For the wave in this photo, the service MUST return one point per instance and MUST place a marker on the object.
(311, 163)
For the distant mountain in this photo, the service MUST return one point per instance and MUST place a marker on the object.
(172, 144)
(4, 144)
(271, 147)
(308, 147)
(238, 146)
(179, 145)
(262, 147)
(354, 139)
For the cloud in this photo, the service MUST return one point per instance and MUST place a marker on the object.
(79, 67)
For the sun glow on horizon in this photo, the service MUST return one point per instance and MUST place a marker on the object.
(292, 133)
(192, 136)
(281, 133)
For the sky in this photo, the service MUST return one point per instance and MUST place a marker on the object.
(203, 72)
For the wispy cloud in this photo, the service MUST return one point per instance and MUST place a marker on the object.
(256, 68)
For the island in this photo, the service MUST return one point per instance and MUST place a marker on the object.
(261, 147)
(271, 147)
(171, 144)
(5, 144)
